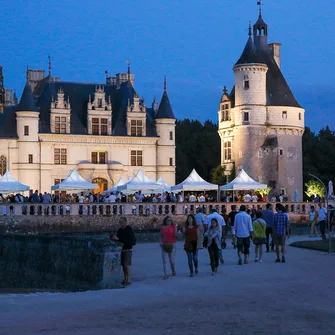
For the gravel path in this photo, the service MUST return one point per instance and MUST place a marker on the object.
(269, 298)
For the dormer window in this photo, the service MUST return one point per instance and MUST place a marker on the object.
(99, 126)
(60, 125)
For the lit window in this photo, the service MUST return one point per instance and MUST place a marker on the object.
(136, 158)
(3, 165)
(284, 114)
(60, 156)
(136, 128)
(227, 151)
(246, 84)
(60, 125)
(30, 159)
(26, 130)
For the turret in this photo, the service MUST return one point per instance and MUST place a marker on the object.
(165, 128)
(250, 77)
(27, 116)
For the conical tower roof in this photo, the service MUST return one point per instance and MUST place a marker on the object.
(249, 54)
(27, 102)
(165, 110)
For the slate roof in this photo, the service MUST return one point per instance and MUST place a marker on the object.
(250, 54)
(78, 94)
(27, 102)
(271, 141)
(165, 110)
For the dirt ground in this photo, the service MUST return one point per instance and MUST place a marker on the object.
(268, 298)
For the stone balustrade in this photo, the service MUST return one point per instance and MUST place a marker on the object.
(142, 209)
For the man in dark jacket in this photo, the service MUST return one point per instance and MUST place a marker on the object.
(125, 235)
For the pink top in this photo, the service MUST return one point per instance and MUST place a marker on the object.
(169, 234)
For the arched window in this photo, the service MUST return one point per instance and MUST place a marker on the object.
(3, 165)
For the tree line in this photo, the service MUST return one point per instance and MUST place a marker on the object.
(198, 146)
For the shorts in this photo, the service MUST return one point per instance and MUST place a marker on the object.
(243, 245)
(279, 239)
(126, 257)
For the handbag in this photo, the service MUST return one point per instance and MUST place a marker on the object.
(168, 247)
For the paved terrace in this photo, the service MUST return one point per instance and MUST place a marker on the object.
(269, 298)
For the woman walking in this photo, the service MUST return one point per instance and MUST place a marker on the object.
(168, 238)
(190, 246)
(214, 244)
(259, 227)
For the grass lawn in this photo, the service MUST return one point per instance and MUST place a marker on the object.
(315, 245)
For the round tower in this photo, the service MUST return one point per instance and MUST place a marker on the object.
(166, 148)
(27, 120)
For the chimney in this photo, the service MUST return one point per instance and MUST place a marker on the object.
(275, 52)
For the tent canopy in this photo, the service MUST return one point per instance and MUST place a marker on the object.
(139, 182)
(243, 182)
(164, 186)
(114, 188)
(8, 184)
(74, 182)
(194, 183)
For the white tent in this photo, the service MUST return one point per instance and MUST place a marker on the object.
(8, 184)
(243, 182)
(164, 186)
(74, 182)
(139, 182)
(194, 183)
(114, 188)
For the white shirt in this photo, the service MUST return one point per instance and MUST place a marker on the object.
(81, 199)
(247, 198)
(254, 198)
(111, 198)
(242, 225)
(217, 216)
(192, 198)
(202, 198)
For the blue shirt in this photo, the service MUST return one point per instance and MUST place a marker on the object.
(268, 217)
(280, 223)
(199, 218)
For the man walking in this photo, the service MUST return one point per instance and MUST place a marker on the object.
(125, 235)
(231, 220)
(280, 230)
(242, 230)
(221, 223)
(267, 216)
(313, 219)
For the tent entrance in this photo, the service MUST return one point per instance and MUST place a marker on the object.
(102, 185)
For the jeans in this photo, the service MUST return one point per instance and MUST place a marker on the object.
(192, 258)
(268, 232)
(214, 255)
(323, 228)
(169, 257)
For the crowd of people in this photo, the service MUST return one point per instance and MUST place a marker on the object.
(137, 197)
(267, 229)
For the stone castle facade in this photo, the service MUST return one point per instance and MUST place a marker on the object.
(106, 131)
(260, 122)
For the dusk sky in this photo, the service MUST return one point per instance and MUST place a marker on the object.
(194, 43)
